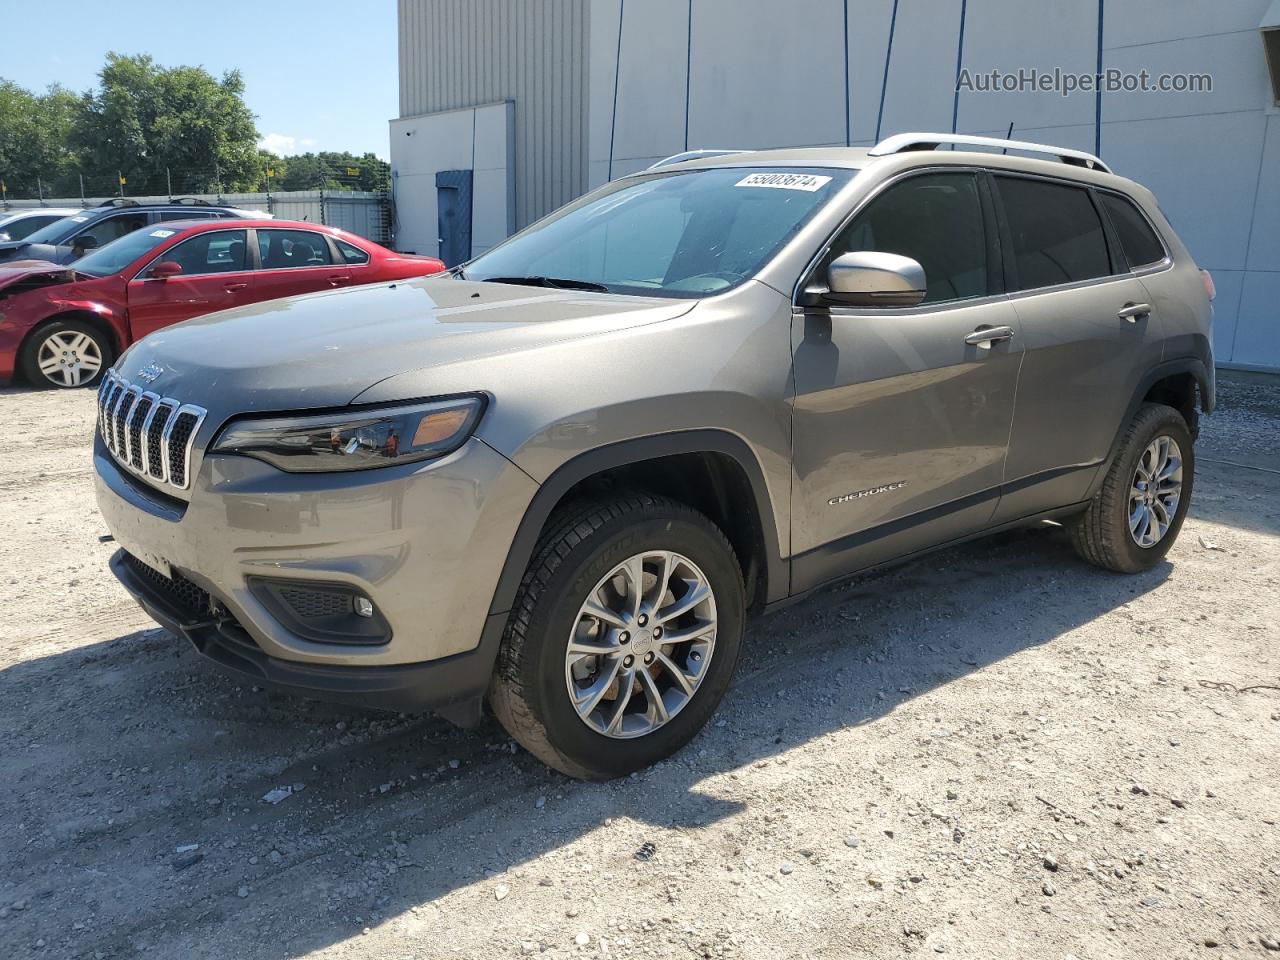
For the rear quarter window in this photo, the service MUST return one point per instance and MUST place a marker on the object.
(1140, 244)
(350, 252)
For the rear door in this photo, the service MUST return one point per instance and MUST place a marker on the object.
(1089, 331)
(360, 269)
(295, 260)
(217, 273)
(901, 420)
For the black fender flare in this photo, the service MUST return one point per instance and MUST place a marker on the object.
(1204, 381)
(620, 454)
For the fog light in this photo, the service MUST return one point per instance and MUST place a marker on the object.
(364, 607)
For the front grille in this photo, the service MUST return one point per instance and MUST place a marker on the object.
(150, 434)
(155, 458)
(179, 591)
(136, 419)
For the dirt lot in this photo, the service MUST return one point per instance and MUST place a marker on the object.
(993, 752)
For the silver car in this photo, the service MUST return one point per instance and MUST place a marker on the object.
(18, 224)
(560, 478)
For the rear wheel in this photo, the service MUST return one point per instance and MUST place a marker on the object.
(65, 354)
(1135, 517)
(623, 638)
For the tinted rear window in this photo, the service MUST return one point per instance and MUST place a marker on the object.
(1057, 235)
(1140, 244)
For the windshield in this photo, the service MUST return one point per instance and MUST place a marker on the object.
(57, 231)
(118, 254)
(687, 234)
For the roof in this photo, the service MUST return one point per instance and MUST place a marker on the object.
(37, 211)
(853, 158)
(915, 150)
(239, 223)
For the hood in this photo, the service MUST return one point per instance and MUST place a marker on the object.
(19, 276)
(324, 349)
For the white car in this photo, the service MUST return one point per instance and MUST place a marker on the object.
(16, 224)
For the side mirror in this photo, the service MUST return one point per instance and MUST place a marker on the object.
(84, 243)
(866, 278)
(164, 270)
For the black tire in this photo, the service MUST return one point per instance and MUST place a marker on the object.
(29, 361)
(1101, 534)
(528, 692)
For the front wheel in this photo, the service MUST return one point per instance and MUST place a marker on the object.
(65, 354)
(1135, 517)
(623, 638)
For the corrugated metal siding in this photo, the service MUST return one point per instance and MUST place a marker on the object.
(463, 53)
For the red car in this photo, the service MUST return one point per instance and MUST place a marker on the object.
(62, 326)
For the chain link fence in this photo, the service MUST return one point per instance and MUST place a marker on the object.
(355, 197)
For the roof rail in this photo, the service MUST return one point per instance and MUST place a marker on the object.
(905, 142)
(120, 202)
(192, 201)
(693, 155)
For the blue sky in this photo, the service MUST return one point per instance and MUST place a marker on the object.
(320, 74)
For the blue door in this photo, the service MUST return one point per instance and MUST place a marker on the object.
(453, 201)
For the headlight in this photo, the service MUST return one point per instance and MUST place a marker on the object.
(358, 439)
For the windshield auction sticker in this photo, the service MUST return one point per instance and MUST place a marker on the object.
(784, 181)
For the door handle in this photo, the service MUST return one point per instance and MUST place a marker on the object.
(338, 281)
(983, 337)
(233, 287)
(1132, 311)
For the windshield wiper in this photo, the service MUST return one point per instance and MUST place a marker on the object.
(555, 283)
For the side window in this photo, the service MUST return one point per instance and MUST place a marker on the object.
(1140, 244)
(350, 252)
(184, 215)
(281, 249)
(214, 251)
(112, 228)
(1057, 235)
(936, 219)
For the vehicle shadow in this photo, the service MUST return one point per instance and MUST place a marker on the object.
(122, 752)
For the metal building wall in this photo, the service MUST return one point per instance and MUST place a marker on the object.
(462, 53)
(667, 75)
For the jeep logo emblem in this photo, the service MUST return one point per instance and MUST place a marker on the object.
(150, 372)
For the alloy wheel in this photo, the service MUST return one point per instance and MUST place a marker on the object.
(1155, 491)
(69, 358)
(641, 644)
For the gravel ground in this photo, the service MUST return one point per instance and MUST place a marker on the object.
(996, 751)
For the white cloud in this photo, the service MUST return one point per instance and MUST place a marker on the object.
(284, 145)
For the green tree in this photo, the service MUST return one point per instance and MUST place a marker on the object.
(145, 119)
(35, 130)
(330, 170)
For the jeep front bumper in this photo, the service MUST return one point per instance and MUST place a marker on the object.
(424, 542)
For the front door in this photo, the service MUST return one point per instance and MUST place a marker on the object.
(101, 233)
(216, 275)
(901, 423)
